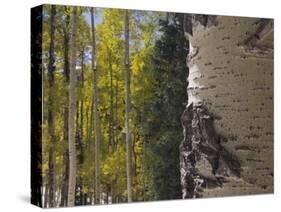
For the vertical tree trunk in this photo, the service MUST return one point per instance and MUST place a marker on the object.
(111, 119)
(143, 169)
(77, 128)
(134, 166)
(116, 113)
(89, 140)
(51, 127)
(87, 126)
(91, 198)
(82, 152)
(90, 123)
(79, 132)
(96, 114)
(46, 196)
(77, 141)
(63, 202)
(72, 109)
(128, 107)
(85, 197)
(82, 96)
(58, 195)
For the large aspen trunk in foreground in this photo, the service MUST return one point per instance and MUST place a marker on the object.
(228, 123)
(71, 115)
(128, 108)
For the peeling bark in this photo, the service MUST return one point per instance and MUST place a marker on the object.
(204, 161)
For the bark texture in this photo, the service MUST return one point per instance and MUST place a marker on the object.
(51, 125)
(96, 113)
(128, 108)
(228, 123)
(204, 162)
(64, 188)
(72, 109)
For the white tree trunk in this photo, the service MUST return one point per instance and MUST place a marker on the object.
(96, 114)
(71, 116)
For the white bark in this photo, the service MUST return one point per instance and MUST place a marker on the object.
(231, 73)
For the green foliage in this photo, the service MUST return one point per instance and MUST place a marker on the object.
(162, 114)
(158, 78)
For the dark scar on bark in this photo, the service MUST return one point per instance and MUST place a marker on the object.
(203, 145)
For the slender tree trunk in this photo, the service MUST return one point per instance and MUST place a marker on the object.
(87, 126)
(46, 195)
(89, 139)
(72, 109)
(82, 96)
(91, 198)
(88, 144)
(111, 119)
(65, 178)
(64, 189)
(77, 121)
(143, 153)
(109, 134)
(96, 114)
(58, 196)
(79, 133)
(116, 113)
(77, 141)
(85, 197)
(51, 125)
(143, 168)
(91, 121)
(135, 138)
(128, 108)
(82, 152)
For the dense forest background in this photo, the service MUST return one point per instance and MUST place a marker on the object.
(114, 82)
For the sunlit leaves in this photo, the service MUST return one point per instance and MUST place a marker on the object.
(155, 90)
